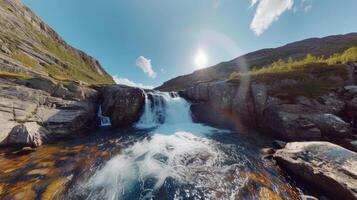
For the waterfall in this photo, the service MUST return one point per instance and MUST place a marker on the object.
(162, 108)
(104, 120)
(175, 149)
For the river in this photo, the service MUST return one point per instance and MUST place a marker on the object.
(164, 156)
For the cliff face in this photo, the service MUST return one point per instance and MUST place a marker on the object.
(290, 109)
(29, 47)
(46, 86)
(298, 50)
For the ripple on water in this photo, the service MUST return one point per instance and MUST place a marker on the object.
(177, 166)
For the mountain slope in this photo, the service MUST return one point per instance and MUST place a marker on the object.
(298, 50)
(29, 47)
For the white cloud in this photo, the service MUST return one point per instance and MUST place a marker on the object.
(304, 5)
(267, 12)
(253, 3)
(145, 65)
(125, 81)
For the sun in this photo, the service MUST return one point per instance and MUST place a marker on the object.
(200, 59)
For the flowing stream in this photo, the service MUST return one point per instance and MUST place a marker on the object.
(165, 156)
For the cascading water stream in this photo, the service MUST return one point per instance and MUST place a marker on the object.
(104, 120)
(178, 159)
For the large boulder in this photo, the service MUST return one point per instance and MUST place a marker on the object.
(327, 166)
(122, 104)
(28, 134)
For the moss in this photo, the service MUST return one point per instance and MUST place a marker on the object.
(78, 69)
(302, 69)
(316, 76)
(25, 60)
(19, 76)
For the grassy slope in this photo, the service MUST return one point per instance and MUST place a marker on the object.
(71, 67)
(314, 74)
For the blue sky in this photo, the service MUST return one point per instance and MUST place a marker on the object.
(151, 41)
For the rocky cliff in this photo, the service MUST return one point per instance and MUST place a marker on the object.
(30, 48)
(290, 109)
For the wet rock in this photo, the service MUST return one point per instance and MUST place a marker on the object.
(122, 104)
(351, 90)
(266, 193)
(55, 189)
(268, 151)
(308, 197)
(43, 172)
(278, 144)
(327, 166)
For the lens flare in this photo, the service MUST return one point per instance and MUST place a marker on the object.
(201, 59)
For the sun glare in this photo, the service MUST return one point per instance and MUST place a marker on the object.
(200, 59)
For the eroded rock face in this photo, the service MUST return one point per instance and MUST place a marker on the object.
(323, 164)
(290, 122)
(292, 118)
(122, 104)
(31, 116)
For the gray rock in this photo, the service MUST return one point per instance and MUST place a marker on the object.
(28, 134)
(278, 144)
(64, 121)
(244, 108)
(122, 104)
(30, 117)
(290, 122)
(260, 97)
(222, 95)
(322, 164)
(331, 126)
(352, 104)
(351, 90)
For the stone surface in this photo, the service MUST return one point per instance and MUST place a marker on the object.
(332, 126)
(290, 122)
(122, 104)
(31, 116)
(28, 134)
(278, 144)
(325, 165)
